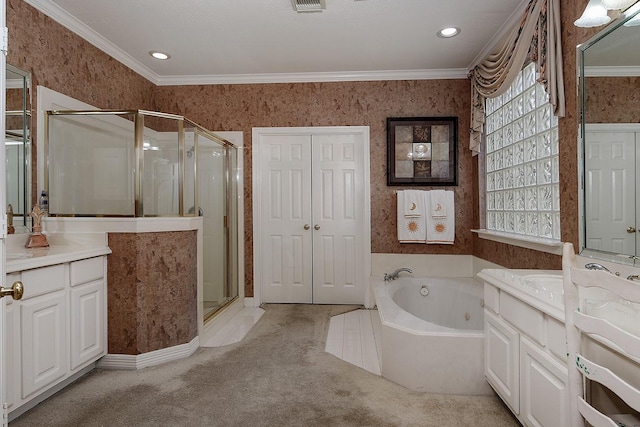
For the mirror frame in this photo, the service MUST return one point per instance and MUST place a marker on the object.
(25, 224)
(626, 259)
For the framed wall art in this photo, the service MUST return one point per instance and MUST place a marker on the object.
(422, 151)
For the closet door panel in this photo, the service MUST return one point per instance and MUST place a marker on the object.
(609, 207)
(286, 227)
(337, 183)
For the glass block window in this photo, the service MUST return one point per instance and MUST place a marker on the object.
(522, 188)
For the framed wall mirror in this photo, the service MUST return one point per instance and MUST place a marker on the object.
(17, 142)
(609, 99)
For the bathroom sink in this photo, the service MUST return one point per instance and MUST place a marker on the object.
(547, 286)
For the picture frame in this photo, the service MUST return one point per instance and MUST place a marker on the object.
(422, 151)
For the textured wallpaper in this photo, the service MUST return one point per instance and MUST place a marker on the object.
(63, 62)
(612, 99)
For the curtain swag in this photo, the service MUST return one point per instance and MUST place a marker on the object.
(536, 38)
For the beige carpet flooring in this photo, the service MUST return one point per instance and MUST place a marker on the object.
(279, 375)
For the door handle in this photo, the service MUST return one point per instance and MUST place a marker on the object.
(631, 229)
(316, 227)
(15, 291)
(306, 226)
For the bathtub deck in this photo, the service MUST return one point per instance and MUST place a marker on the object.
(351, 338)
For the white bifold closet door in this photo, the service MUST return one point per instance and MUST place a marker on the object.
(312, 213)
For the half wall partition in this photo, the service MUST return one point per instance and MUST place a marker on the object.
(136, 163)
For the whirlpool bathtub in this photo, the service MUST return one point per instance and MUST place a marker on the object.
(432, 333)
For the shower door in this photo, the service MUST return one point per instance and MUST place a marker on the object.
(216, 194)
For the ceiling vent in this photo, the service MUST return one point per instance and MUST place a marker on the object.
(308, 5)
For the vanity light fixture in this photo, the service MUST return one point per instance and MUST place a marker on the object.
(159, 55)
(594, 15)
(448, 32)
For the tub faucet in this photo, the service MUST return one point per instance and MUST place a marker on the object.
(596, 266)
(394, 275)
(633, 277)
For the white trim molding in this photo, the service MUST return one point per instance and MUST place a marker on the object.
(144, 360)
(551, 246)
(612, 71)
(440, 74)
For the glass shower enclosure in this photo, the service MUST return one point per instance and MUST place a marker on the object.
(148, 164)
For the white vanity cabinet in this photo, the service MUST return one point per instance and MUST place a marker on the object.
(525, 352)
(57, 331)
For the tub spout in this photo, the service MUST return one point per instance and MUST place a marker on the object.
(393, 276)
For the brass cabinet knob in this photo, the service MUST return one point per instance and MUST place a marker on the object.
(306, 226)
(16, 290)
(316, 227)
(631, 229)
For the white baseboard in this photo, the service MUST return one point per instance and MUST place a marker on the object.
(140, 361)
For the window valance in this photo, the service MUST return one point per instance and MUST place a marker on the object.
(536, 38)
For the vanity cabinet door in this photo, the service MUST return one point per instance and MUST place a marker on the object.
(44, 325)
(502, 349)
(544, 400)
(87, 323)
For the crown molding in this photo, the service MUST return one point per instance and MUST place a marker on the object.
(612, 71)
(59, 15)
(444, 74)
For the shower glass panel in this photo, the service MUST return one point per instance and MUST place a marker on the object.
(91, 159)
(160, 182)
(190, 190)
(148, 164)
(17, 143)
(213, 193)
(232, 219)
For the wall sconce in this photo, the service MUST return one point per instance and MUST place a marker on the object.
(594, 15)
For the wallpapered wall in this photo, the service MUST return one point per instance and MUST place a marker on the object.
(64, 62)
(612, 99)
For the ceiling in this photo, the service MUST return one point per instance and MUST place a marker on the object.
(257, 41)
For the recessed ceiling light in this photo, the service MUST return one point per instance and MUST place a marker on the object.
(448, 32)
(159, 55)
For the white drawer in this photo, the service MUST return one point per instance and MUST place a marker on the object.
(492, 297)
(43, 280)
(524, 317)
(87, 270)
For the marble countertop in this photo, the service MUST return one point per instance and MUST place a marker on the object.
(541, 289)
(63, 248)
